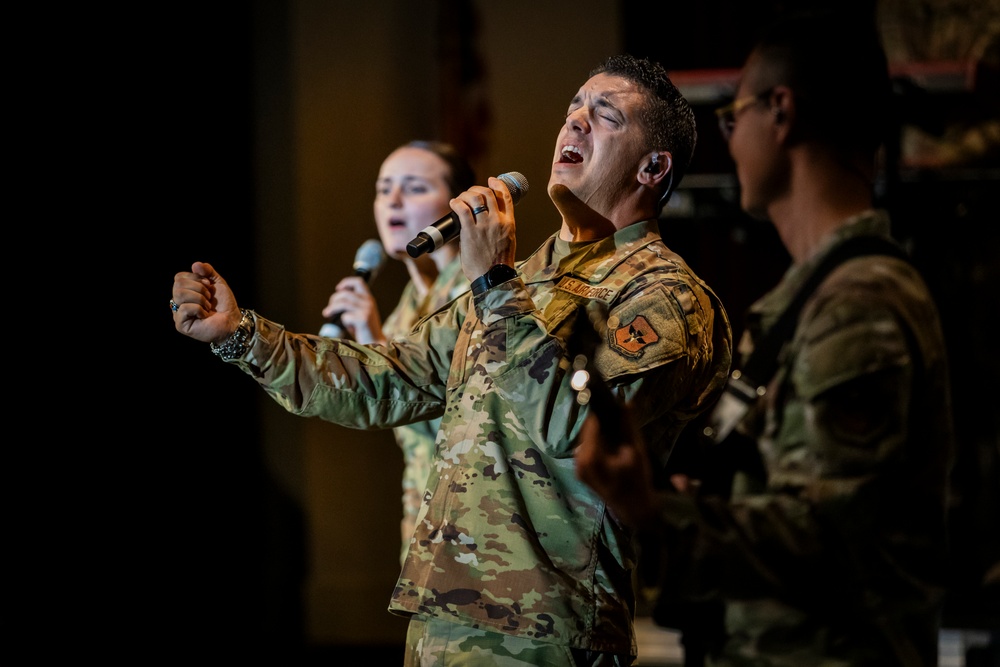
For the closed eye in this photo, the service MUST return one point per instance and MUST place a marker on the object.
(608, 111)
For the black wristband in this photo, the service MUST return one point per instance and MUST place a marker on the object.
(498, 273)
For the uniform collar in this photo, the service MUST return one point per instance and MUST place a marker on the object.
(591, 261)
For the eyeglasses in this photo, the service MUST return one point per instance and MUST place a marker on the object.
(727, 114)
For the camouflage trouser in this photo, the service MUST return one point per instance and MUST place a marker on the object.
(434, 643)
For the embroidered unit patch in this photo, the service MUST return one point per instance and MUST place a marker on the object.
(630, 339)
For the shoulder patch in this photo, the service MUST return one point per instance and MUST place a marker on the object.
(648, 330)
(630, 339)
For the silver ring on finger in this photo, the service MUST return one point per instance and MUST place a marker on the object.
(174, 306)
(476, 211)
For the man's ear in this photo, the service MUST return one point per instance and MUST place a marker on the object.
(783, 110)
(656, 168)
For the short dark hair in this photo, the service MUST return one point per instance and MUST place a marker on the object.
(668, 117)
(834, 63)
(461, 176)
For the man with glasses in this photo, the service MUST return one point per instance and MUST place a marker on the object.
(831, 552)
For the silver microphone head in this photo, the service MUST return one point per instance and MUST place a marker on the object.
(516, 183)
(369, 259)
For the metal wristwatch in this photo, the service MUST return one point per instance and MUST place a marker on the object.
(238, 342)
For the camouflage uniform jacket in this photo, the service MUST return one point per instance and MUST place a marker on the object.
(508, 539)
(837, 557)
(417, 440)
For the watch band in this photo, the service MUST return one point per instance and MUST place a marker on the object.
(498, 273)
(238, 342)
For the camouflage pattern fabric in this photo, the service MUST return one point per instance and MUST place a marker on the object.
(438, 643)
(507, 539)
(838, 556)
(417, 440)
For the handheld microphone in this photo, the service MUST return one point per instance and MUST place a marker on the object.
(368, 261)
(447, 228)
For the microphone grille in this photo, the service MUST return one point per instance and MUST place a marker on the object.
(516, 183)
(369, 258)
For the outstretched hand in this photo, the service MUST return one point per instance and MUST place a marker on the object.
(205, 308)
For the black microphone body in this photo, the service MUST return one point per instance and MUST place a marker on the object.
(447, 228)
(367, 262)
